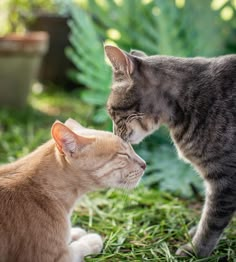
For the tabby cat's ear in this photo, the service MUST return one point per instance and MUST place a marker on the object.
(67, 142)
(138, 53)
(119, 60)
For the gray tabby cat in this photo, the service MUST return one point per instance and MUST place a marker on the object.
(196, 99)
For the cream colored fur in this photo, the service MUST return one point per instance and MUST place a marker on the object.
(38, 192)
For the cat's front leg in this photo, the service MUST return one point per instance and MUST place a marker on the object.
(218, 209)
(87, 245)
(192, 231)
(76, 233)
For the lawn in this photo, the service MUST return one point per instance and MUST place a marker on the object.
(145, 224)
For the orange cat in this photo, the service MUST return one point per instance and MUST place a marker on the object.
(38, 192)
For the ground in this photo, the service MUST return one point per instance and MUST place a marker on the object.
(145, 225)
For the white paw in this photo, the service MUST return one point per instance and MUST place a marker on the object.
(93, 241)
(77, 233)
(87, 245)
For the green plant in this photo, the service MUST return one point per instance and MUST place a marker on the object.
(86, 53)
(145, 225)
(227, 10)
(165, 170)
(158, 26)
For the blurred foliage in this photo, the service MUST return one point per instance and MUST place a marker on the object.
(159, 26)
(21, 131)
(165, 170)
(18, 13)
(92, 71)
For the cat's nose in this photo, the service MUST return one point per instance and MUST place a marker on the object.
(143, 165)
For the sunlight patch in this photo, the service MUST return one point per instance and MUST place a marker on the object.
(227, 13)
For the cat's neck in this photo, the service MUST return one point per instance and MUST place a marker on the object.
(49, 171)
(181, 82)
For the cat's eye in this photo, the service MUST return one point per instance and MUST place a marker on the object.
(124, 155)
(131, 133)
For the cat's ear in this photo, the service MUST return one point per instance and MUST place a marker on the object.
(74, 125)
(119, 60)
(67, 142)
(138, 53)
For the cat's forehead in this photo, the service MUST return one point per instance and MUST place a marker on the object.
(121, 81)
(107, 141)
(92, 132)
(121, 100)
(124, 97)
(102, 135)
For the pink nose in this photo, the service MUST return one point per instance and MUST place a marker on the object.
(143, 165)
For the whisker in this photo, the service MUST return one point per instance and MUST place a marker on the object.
(125, 196)
(125, 193)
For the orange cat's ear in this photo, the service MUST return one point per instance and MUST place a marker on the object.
(67, 142)
(119, 60)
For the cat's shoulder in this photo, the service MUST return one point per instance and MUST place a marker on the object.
(225, 58)
(225, 63)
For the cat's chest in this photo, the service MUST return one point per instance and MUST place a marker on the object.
(186, 151)
(181, 153)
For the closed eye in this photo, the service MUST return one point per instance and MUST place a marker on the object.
(131, 133)
(135, 116)
(124, 155)
(124, 107)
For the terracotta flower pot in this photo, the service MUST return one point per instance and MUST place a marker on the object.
(20, 58)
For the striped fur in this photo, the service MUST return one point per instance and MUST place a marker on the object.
(196, 99)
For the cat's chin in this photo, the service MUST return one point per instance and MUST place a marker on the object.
(130, 186)
(135, 141)
(141, 134)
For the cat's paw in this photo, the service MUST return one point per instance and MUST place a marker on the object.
(76, 233)
(185, 251)
(87, 245)
(192, 231)
(94, 243)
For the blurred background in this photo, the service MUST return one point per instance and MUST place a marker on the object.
(52, 66)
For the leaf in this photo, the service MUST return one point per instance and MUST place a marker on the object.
(169, 172)
(93, 98)
(86, 53)
(101, 116)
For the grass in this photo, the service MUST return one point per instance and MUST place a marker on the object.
(141, 225)
(145, 225)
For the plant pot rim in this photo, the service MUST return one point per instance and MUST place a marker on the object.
(30, 42)
(25, 37)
